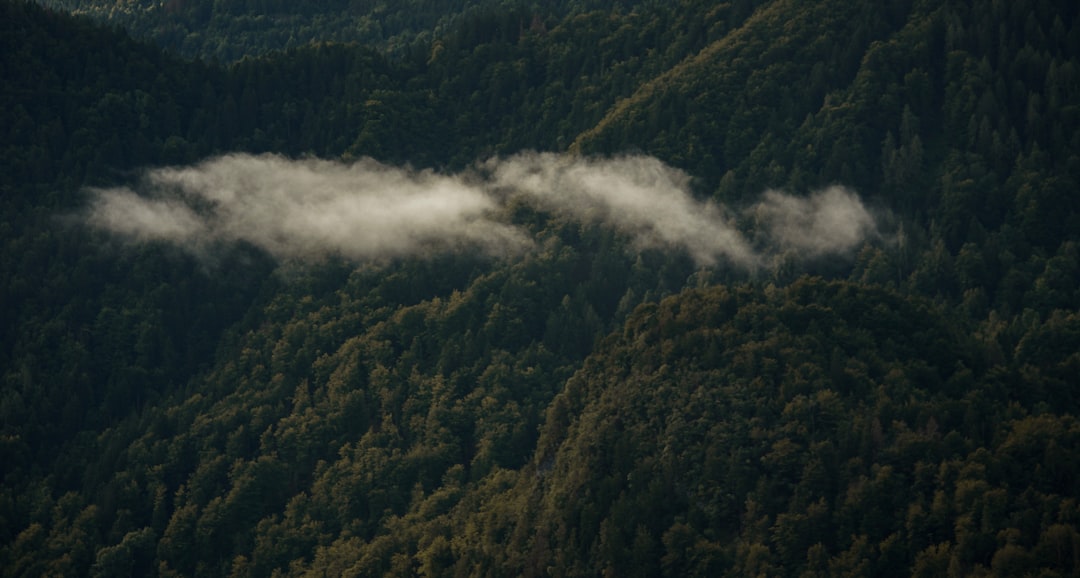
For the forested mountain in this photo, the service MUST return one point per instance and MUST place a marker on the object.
(229, 31)
(746, 288)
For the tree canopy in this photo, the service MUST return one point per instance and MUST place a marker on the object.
(604, 403)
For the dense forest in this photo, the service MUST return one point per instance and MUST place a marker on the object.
(230, 30)
(747, 288)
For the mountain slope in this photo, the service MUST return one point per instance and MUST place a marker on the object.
(601, 403)
(230, 31)
(821, 428)
(732, 87)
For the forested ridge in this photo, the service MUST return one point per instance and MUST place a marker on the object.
(229, 31)
(599, 402)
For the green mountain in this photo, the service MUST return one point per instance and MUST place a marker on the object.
(230, 31)
(790, 288)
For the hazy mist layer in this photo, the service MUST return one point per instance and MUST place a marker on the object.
(309, 209)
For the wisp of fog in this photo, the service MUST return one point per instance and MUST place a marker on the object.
(307, 209)
(827, 222)
(638, 195)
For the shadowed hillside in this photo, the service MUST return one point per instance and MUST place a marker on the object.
(717, 289)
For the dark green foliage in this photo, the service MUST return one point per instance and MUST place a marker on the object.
(589, 408)
(229, 31)
(804, 431)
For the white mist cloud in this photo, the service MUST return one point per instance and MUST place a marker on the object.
(827, 222)
(124, 212)
(300, 209)
(308, 209)
(639, 195)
